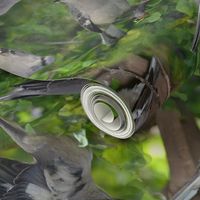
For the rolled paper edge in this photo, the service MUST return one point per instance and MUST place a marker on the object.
(197, 33)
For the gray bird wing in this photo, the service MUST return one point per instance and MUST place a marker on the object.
(9, 169)
(197, 34)
(42, 88)
(108, 36)
(66, 173)
(123, 4)
(21, 63)
(30, 184)
(101, 12)
(5, 5)
(83, 20)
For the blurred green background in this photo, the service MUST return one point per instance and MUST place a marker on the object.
(130, 169)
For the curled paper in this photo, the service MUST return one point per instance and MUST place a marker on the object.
(117, 109)
(122, 111)
(197, 33)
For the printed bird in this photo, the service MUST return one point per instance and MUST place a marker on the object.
(21, 63)
(6, 5)
(62, 170)
(99, 16)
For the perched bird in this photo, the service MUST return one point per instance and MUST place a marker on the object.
(22, 64)
(5, 5)
(197, 34)
(62, 170)
(99, 16)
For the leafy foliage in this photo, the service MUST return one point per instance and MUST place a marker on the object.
(126, 169)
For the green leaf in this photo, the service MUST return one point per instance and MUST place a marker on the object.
(185, 6)
(125, 155)
(153, 18)
(81, 137)
(180, 95)
(30, 129)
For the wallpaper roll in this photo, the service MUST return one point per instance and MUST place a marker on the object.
(117, 100)
(121, 110)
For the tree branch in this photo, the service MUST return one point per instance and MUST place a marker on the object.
(181, 139)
